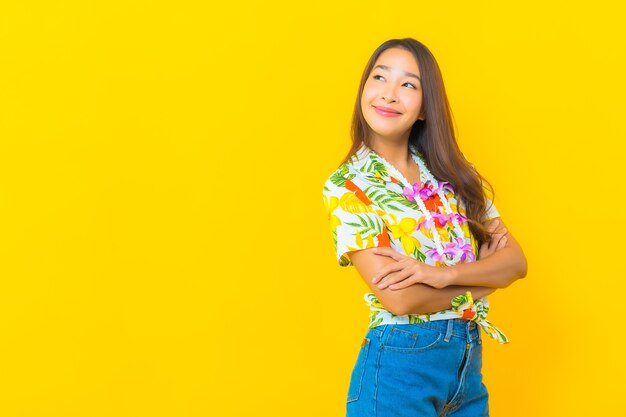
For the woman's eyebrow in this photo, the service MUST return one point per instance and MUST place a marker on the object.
(408, 74)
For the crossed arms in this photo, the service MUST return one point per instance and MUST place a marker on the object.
(406, 286)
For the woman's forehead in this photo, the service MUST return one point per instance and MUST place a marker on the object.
(399, 62)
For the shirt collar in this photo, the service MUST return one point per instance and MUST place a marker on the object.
(379, 169)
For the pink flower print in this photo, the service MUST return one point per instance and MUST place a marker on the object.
(459, 217)
(450, 250)
(424, 191)
(465, 249)
(445, 185)
(442, 219)
(433, 254)
(411, 192)
(428, 224)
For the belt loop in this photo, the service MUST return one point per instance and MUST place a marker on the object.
(468, 330)
(449, 330)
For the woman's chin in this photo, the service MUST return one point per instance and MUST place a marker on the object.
(388, 133)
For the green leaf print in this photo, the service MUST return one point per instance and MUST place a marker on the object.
(376, 166)
(419, 255)
(377, 322)
(339, 177)
(375, 195)
(354, 224)
(459, 300)
(400, 198)
(367, 226)
(415, 319)
(380, 186)
(363, 222)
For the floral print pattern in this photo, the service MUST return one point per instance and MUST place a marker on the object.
(370, 204)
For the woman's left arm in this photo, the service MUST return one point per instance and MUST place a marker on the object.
(498, 270)
(500, 263)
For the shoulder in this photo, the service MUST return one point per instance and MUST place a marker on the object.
(344, 178)
(337, 185)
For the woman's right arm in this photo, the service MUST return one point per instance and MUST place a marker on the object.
(422, 298)
(415, 299)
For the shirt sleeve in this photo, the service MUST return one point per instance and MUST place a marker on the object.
(492, 211)
(353, 220)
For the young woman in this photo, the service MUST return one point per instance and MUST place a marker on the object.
(411, 214)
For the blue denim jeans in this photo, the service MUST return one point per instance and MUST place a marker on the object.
(430, 369)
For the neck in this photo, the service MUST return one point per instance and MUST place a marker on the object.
(396, 152)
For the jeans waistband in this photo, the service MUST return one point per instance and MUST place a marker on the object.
(461, 328)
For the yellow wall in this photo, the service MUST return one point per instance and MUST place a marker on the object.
(164, 247)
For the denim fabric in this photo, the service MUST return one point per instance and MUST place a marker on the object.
(430, 369)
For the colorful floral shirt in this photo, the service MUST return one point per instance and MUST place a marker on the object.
(371, 204)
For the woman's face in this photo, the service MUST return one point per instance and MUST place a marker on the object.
(394, 84)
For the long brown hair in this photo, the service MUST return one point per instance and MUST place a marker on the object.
(434, 137)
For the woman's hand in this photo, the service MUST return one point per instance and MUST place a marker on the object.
(407, 271)
(497, 241)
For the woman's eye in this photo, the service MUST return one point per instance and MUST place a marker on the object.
(376, 78)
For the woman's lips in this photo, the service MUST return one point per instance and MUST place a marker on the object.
(387, 113)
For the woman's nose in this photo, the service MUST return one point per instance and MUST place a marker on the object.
(388, 95)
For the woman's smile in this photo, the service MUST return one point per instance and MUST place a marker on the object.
(387, 111)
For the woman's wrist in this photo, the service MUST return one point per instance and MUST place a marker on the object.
(452, 278)
(451, 275)
(479, 292)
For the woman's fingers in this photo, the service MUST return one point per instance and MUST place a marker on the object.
(386, 270)
(491, 227)
(387, 251)
(496, 243)
(497, 239)
(395, 278)
(487, 248)
(496, 227)
(403, 284)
